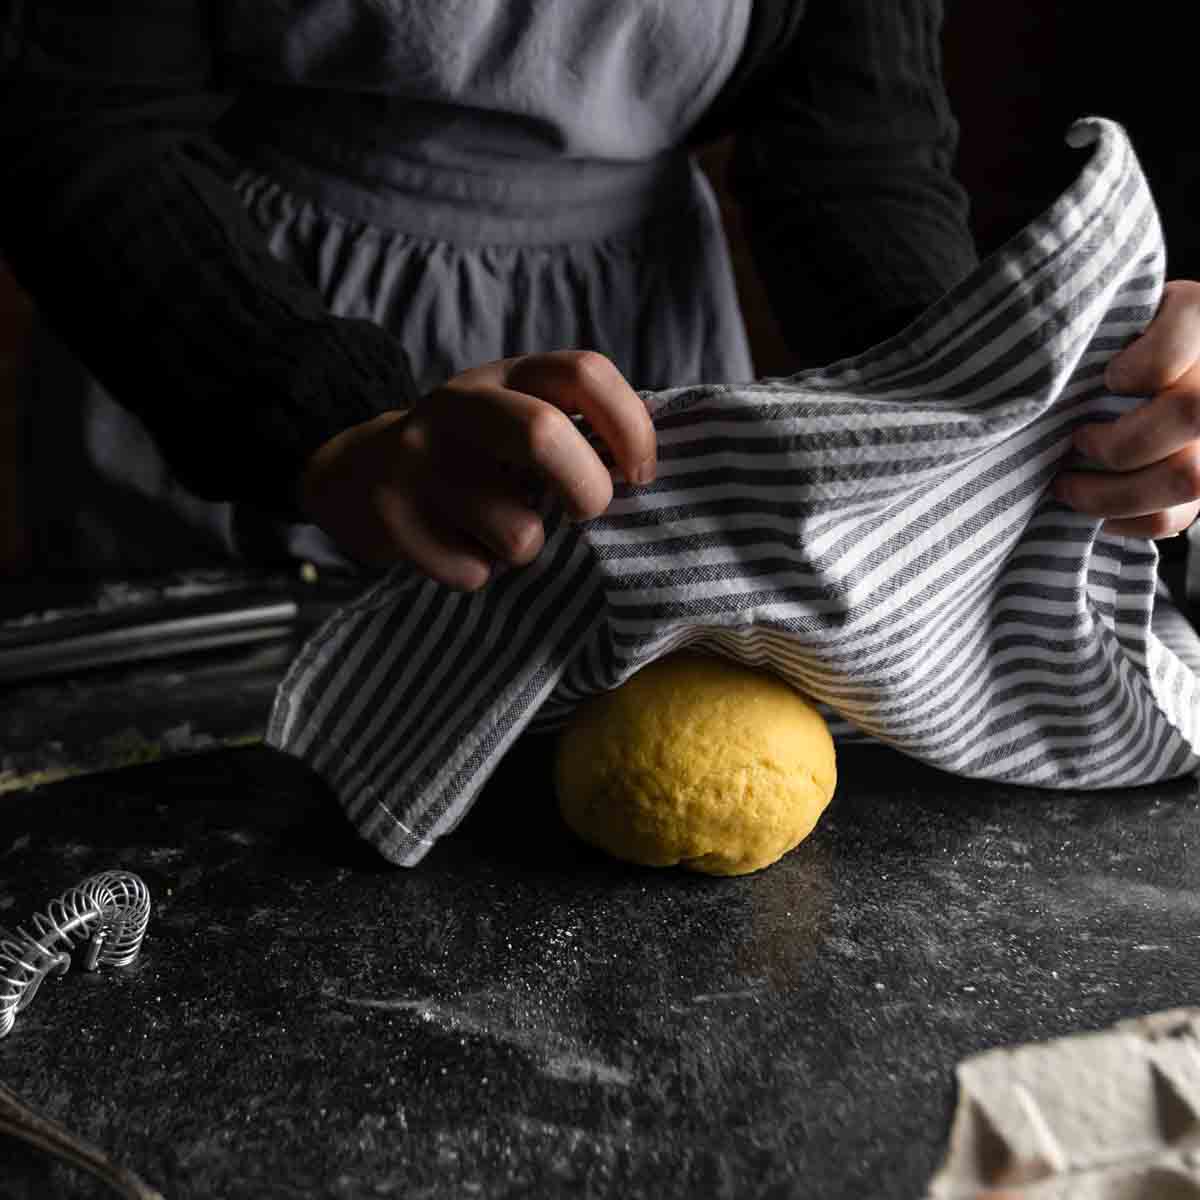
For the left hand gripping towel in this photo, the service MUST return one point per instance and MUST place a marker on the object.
(877, 532)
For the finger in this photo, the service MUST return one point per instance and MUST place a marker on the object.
(587, 383)
(1168, 523)
(351, 488)
(435, 548)
(493, 516)
(515, 410)
(531, 437)
(1173, 481)
(1149, 433)
(525, 485)
(1168, 349)
(528, 434)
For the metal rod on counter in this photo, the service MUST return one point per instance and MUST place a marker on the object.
(18, 1120)
(145, 637)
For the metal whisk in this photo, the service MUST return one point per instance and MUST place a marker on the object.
(109, 912)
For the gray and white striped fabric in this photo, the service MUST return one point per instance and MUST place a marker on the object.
(878, 533)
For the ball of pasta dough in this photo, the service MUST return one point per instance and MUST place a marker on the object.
(696, 761)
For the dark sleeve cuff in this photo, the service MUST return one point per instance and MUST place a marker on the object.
(344, 372)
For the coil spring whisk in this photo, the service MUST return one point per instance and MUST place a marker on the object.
(109, 912)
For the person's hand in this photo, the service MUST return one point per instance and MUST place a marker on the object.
(1150, 486)
(453, 484)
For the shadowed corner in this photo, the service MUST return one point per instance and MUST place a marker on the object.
(515, 819)
(40, 1175)
(253, 803)
(319, 829)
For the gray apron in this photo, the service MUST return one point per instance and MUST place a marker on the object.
(514, 201)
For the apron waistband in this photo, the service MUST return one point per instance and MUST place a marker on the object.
(492, 201)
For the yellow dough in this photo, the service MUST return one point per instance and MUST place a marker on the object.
(696, 761)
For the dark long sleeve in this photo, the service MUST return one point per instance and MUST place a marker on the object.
(843, 164)
(117, 215)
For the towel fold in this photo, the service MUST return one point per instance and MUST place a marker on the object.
(877, 532)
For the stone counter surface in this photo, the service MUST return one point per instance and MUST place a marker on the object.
(520, 1016)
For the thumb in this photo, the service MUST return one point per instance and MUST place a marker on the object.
(1167, 350)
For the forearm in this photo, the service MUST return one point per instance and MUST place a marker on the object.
(118, 217)
(855, 218)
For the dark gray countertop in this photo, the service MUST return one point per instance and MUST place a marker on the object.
(520, 1016)
(157, 700)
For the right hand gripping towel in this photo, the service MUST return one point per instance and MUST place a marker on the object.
(879, 533)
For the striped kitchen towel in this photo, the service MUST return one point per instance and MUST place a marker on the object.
(877, 532)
